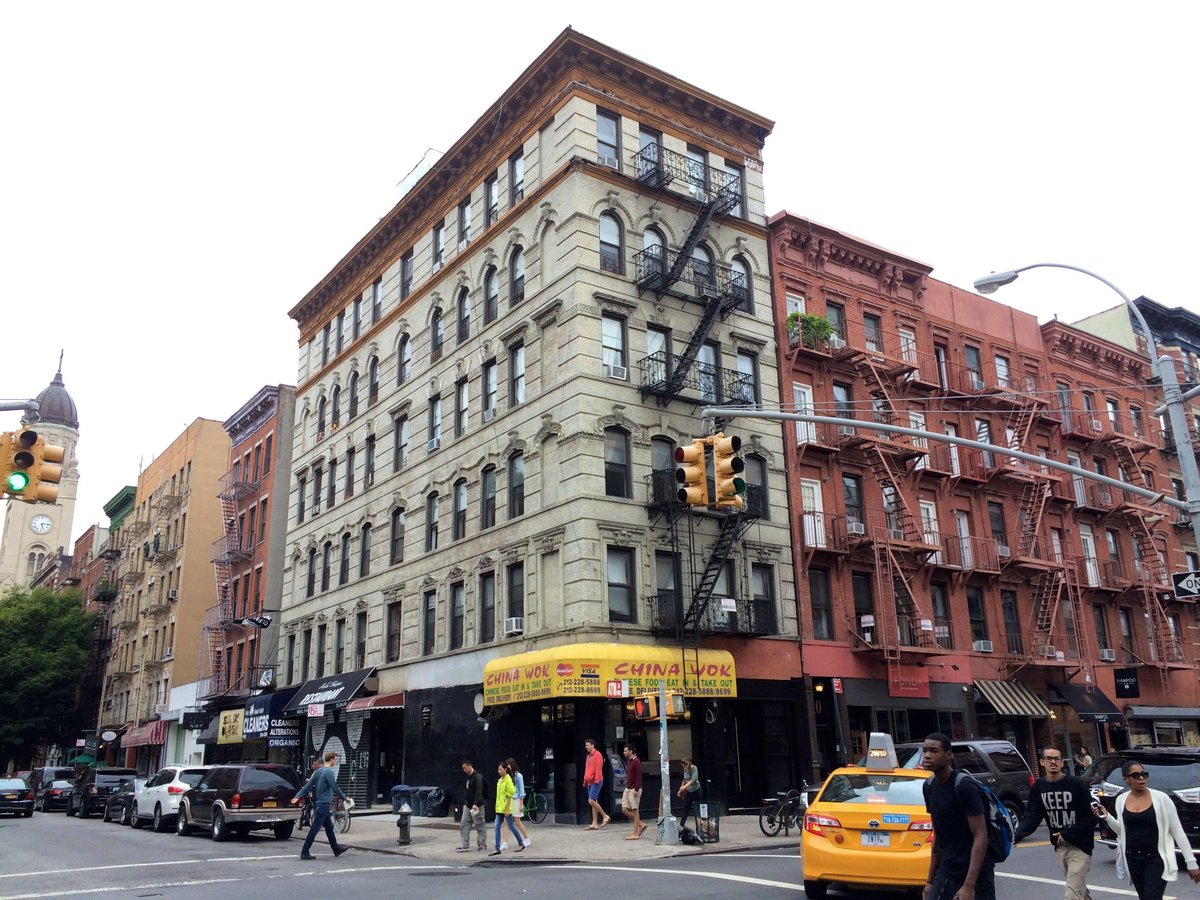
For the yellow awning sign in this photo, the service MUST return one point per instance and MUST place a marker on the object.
(607, 670)
(230, 731)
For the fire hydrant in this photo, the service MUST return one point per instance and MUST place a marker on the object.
(404, 825)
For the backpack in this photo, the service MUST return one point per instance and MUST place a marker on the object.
(687, 836)
(995, 814)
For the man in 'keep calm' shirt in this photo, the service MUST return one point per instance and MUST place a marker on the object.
(1062, 801)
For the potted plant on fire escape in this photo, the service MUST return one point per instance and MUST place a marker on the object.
(809, 330)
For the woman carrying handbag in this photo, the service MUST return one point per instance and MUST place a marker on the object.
(1148, 834)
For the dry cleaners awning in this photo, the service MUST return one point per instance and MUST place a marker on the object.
(150, 733)
(1091, 705)
(379, 701)
(1011, 698)
(263, 718)
(332, 691)
(606, 670)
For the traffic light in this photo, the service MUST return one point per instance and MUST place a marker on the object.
(47, 470)
(727, 467)
(645, 709)
(32, 468)
(676, 705)
(692, 473)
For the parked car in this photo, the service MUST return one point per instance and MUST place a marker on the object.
(92, 789)
(158, 801)
(119, 805)
(1173, 770)
(38, 777)
(240, 799)
(53, 794)
(15, 797)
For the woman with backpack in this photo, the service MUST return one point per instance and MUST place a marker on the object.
(518, 804)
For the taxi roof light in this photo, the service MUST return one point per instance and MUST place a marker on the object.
(881, 753)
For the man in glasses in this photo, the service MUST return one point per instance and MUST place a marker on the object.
(1065, 804)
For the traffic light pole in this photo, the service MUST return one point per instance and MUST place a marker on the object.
(668, 831)
(29, 407)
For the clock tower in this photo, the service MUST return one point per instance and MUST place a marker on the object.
(34, 531)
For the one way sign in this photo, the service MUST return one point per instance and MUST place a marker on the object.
(1187, 584)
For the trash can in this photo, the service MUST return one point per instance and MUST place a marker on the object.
(404, 825)
(419, 796)
(437, 803)
(401, 795)
(708, 822)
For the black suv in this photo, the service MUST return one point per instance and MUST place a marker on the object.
(42, 774)
(1173, 770)
(91, 791)
(240, 799)
(998, 764)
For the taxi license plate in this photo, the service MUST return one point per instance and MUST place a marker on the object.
(269, 804)
(10, 796)
(876, 839)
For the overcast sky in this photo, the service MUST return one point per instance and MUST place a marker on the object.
(176, 176)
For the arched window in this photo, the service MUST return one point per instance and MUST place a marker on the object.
(516, 485)
(611, 254)
(741, 284)
(487, 502)
(460, 509)
(436, 336)
(516, 277)
(373, 380)
(431, 522)
(464, 315)
(662, 470)
(321, 419)
(654, 253)
(617, 478)
(326, 564)
(702, 266)
(344, 560)
(311, 587)
(335, 409)
(403, 359)
(756, 487)
(491, 295)
(352, 390)
(396, 548)
(364, 552)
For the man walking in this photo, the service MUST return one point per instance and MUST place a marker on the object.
(472, 811)
(1065, 804)
(322, 785)
(959, 868)
(593, 781)
(631, 799)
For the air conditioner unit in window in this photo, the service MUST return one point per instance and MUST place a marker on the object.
(434, 444)
(514, 625)
(168, 654)
(315, 509)
(1048, 651)
(437, 265)
(1003, 550)
(896, 534)
(837, 343)
(1096, 425)
(1108, 655)
(847, 430)
(172, 594)
(610, 161)
(697, 193)
(977, 383)
(856, 528)
(489, 414)
(462, 245)
(620, 373)
(981, 646)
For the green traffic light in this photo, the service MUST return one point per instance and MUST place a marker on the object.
(16, 482)
(739, 485)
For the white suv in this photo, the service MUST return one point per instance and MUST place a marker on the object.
(158, 799)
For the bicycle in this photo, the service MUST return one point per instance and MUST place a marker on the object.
(535, 807)
(783, 811)
(337, 812)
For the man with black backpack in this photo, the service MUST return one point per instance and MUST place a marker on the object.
(959, 866)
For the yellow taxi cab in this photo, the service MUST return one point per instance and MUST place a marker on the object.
(868, 827)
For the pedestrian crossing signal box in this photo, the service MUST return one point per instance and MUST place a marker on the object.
(646, 708)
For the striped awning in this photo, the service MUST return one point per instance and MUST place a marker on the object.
(1010, 698)
(379, 701)
(151, 733)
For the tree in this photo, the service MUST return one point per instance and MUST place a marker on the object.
(45, 636)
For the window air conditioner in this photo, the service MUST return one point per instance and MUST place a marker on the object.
(1003, 550)
(981, 646)
(172, 594)
(437, 265)
(314, 509)
(514, 625)
(489, 414)
(847, 430)
(896, 534)
(620, 373)
(1049, 652)
(1108, 655)
(434, 444)
(462, 245)
(610, 161)
(1096, 425)
(856, 528)
(698, 193)
(168, 654)
(837, 343)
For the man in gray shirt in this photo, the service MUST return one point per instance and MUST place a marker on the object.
(323, 786)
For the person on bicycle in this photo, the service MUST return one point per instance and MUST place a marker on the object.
(323, 785)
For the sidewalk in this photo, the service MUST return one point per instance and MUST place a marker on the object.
(437, 840)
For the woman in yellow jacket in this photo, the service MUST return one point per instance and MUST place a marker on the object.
(505, 790)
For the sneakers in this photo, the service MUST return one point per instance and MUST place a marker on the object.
(494, 853)
(307, 856)
(528, 841)
(480, 848)
(340, 850)
(464, 849)
(504, 845)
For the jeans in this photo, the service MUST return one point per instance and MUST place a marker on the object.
(1075, 865)
(472, 821)
(1146, 873)
(321, 818)
(500, 820)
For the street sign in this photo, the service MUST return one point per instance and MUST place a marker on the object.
(1187, 584)
(316, 710)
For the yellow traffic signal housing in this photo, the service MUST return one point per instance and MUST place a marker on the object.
(645, 709)
(676, 705)
(729, 487)
(692, 474)
(32, 468)
(48, 467)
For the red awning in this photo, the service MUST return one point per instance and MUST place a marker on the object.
(379, 701)
(151, 733)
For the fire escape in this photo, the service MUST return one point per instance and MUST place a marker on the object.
(231, 548)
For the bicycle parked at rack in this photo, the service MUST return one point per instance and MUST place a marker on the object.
(784, 811)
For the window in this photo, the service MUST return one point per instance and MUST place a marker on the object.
(464, 222)
(339, 646)
(325, 345)
(516, 375)
(396, 543)
(487, 607)
(376, 300)
(340, 334)
(702, 267)
(977, 614)
(301, 491)
(393, 633)
(352, 390)
(331, 492)
(491, 295)
(649, 155)
(369, 462)
(262, 521)
(400, 444)
(653, 254)
(326, 564)
(516, 178)
(610, 243)
(266, 468)
(822, 607)
(364, 551)
(311, 587)
(437, 336)
(852, 497)
(318, 474)
(735, 185)
(491, 201)
(459, 526)
(458, 602)
(464, 315)
(403, 359)
(335, 409)
(429, 622)
(360, 640)
(350, 454)
(516, 485)
(620, 584)
(431, 522)
(322, 640)
(942, 628)
(488, 388)
(1012, 622)
(996, 523)
(835, 314)
(1126, 620)
(439, 245)
(873, 332)
(516, 277)
(740, 284)
(762, 588)
(305, 654)
(355, 317)
(462, 408)
(373, 380)
(1004, 377)
(487, 500)
(756, 487)
(618, 481)
(746, 388)
(515, 589)
(612, 343)
(1101, 624)
(435, 423)
(608, 139)
(344, 560)
(406, 274)
(291, 659)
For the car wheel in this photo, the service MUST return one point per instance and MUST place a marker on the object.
(182, 828)
(125, 814)
(84, 812)
(160, 824)
(815, 890)
(70, 808)
(135, 821)
(220, 831)
(1014, 811)
(284, 830)
(29, 813)
(104, 816)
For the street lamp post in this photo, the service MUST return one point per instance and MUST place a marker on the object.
(1162, 366)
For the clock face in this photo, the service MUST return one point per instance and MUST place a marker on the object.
(41, 524)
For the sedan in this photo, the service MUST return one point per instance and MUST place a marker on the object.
(53, 795)
(15, 797)
(119, 805)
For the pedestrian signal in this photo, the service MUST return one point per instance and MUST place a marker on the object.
(645, 708)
